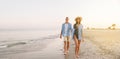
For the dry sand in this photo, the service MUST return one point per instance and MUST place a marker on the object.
(99, 44)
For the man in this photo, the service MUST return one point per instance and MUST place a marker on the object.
(65, 32)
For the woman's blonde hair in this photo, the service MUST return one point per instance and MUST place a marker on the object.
(80, 18)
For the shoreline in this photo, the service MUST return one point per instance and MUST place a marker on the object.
(97, 45)
(54, 50)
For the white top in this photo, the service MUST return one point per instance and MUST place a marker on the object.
(66, 28)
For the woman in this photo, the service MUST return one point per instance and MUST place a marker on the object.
(78, 34)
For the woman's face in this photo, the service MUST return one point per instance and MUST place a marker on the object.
(78, 20)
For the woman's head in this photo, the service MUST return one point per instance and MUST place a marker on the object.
(78, 20)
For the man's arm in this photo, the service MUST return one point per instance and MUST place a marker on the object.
(71, 27)
(61, 32)
(61, 35)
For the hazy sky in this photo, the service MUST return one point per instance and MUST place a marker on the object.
(16, 14)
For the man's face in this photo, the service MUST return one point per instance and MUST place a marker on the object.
(67, 20)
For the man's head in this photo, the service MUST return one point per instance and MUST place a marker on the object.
(66, 19)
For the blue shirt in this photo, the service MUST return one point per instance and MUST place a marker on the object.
(80, 30)
(66, 30)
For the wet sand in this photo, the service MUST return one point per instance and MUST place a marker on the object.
(98, 44)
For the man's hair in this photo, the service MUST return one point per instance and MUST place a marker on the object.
(66, 18)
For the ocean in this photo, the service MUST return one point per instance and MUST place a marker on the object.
(10, 38)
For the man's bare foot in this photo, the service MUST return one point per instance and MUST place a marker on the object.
(65, 53)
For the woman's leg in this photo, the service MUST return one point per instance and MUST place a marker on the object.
(79, 41)
(76, 44)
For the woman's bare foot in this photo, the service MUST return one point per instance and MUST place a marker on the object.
(65, 53)
(78, 56)
(75, 56)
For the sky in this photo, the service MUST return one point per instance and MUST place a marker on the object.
(50, 14)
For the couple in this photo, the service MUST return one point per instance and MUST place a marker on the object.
(77, 34)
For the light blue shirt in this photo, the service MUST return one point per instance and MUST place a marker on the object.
(66, 29)
(80, 30)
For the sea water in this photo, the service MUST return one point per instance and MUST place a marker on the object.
(17, 37)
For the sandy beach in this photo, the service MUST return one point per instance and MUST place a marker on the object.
(99, 44)
(32, 29)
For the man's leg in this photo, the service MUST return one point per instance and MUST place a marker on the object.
(65, 45)
(68, 43)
